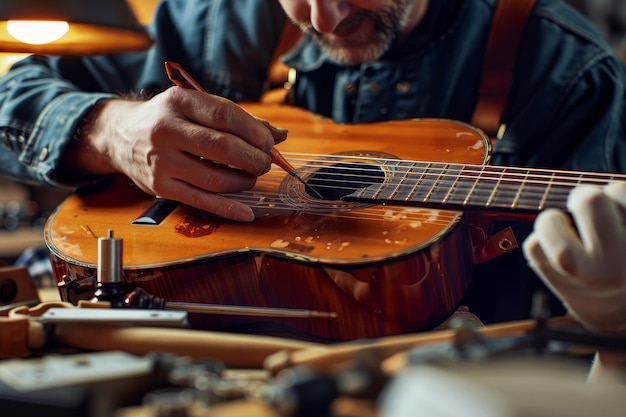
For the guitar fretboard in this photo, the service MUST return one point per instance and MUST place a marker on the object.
(456, 186)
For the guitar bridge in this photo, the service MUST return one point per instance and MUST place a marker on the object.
(156, 212)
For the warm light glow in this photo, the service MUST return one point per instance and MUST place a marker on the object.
(37, 32)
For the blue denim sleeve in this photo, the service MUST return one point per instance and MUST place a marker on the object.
(38, 116)
(42, 99)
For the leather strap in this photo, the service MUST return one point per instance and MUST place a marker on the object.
(507, 28)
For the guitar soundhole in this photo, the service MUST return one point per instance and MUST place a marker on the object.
(341, 179)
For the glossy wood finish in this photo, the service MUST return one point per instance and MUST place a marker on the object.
(383, 269)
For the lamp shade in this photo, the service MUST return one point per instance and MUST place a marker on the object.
(93, 27)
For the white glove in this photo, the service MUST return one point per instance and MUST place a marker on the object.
(585, 269)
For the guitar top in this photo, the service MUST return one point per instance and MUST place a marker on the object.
(378, 269)
(289, 221)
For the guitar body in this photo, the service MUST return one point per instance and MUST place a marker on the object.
(382, 269)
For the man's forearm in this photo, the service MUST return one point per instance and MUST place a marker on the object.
(90, 151)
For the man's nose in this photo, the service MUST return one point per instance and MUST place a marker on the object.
(327, 14)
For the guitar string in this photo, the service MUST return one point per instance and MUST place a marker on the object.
(432, 217)
(310, 164)
(504, 178)
(518, 174)
(261, 198)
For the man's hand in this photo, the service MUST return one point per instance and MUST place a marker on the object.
(585, 264)
(182, 145)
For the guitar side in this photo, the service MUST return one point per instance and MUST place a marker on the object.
(383, 270)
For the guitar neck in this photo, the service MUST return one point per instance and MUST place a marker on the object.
(483, 187)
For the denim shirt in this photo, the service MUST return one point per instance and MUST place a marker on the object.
(567, 108)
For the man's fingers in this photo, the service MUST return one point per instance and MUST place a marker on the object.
(559, 241)
(599, 221)
(278, 133)
(207, 201)
(581, 249)
(552, 275)
(223, 115)
(617, 193)
(206, 175)
(224, 148)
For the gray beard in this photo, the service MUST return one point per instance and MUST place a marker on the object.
(387, 25)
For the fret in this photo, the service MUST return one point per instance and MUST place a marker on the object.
(597, 180)
(417, 181)
(533, 192)
(434, 184)
(506, 192)
(405, 169)
(455, 186)
(463, 186)
(492, 196)
(486, 186)
(418, 192)
(564, 182)
(391, 188)
(439, 188)
(546, 194)
(518, 195)
(469, 194)
(397, 183)
(558, 188)
(429, 182)
(402, 179)
(507, 187)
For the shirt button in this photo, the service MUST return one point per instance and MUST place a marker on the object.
(403, 87)
(350, 89)
(374, 88)
(43, 155)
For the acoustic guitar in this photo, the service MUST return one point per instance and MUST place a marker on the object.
(389, 248)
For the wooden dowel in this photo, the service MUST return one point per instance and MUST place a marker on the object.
(326, 358)
(234, 350)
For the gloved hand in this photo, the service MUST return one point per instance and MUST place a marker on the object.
(585, 264)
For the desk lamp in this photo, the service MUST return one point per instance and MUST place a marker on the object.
(70, 27)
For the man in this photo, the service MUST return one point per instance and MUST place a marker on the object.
(64, 121)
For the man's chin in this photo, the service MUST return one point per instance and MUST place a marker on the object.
(354, 56)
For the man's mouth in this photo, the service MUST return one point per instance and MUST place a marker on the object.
(349, 25)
